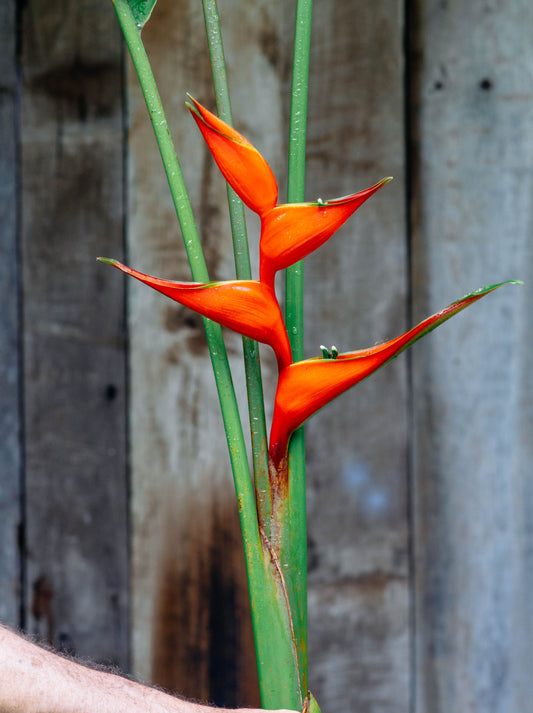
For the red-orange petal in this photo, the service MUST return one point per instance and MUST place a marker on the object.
(241, 164)
(292, 231)
(245, 306)
(305, 387)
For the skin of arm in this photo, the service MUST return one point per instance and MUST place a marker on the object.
(35, 680)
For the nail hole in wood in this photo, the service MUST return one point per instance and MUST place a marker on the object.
(111, 392)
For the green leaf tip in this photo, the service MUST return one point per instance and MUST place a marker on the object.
(490, 288)
(141, 11)
(191, 106)
(108, 260)
(310, 704)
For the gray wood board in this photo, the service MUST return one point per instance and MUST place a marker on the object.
(179, 463)
(74, 331)
(472, 160)
(355, 297)
(191, 625)
(10, 417)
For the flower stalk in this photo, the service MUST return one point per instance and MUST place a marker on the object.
(243, 270)
(275, 652)
(294, 316)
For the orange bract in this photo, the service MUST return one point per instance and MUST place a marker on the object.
(246, 306)
(291, 232)
(306, 386)
(241, 164)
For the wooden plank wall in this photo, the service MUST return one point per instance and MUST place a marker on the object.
(356, 296)
(10, 413)
(72, 332)
(472, 134)
(420, 488)
(184, 515)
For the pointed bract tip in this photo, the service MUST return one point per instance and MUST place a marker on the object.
(310, 705)
(354, 196)
(108, 260)
(241, 164)
(490, 288)
(192, 106)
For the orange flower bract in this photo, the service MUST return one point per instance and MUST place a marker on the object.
(306, 386)
(243, 167)
(245, 306)
(291, 232)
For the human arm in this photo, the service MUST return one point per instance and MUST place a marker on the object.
(34, 680)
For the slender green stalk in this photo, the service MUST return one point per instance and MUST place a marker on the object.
(243, 270)
(296, 528)
(275, 646)
(190, 233)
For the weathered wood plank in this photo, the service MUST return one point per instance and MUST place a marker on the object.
(180, 476)
(10, 417)
(74, 358)
(191, 626)
(356, 296)
(473, 182)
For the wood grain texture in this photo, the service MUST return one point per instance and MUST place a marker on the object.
(10, 416)
(355, 296)
(182, 493)
(472, 137)
(453, 476)
(180, 476)
(74, 347)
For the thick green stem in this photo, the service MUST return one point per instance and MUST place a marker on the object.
(275, 647)
(243, 270)
(296, 530)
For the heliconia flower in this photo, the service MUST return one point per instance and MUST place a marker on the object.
(291, 232)
(305, 386)
(247, 306)
(241, 164)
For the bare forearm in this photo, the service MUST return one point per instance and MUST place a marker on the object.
(33, 680)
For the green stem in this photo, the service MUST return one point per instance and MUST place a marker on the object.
(164, 140)
(275, 647)
(296, 530)
(243, 270)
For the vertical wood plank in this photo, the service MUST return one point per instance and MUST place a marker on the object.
(191, 623)
(10, 417)
(355, 296)
(74, 358)
(472, 216)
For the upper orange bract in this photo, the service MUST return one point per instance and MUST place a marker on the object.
(241, 164)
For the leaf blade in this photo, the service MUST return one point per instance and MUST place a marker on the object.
(141, 10)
